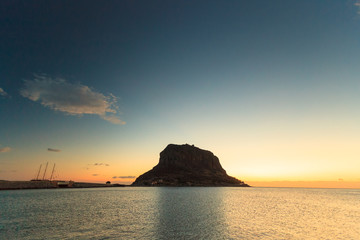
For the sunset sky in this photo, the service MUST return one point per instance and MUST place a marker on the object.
(100, 88)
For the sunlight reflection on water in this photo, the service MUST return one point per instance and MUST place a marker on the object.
(180, 213)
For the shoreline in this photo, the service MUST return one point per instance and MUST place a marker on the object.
(46, 184)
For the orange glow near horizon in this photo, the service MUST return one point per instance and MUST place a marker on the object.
(266, 162)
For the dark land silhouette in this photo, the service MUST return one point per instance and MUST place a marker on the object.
(187, 165)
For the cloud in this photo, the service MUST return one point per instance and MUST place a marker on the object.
(95, 174)
(53, 150)
(123, 177)
(74, 99)
(101, 164)
(5, 149)
(3, 93)
(113, 119)
(357, 4)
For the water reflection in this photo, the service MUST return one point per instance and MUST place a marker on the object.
(190, 213)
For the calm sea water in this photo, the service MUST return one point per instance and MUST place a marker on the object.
(180, 213)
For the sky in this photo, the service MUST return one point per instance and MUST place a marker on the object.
(100, 88)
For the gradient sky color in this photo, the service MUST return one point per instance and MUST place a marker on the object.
(101, 87)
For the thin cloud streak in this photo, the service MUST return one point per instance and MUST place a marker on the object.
(101, 164)
(123, 177)
(74, 99)
(113, 119)
(357, 4)
(53, 150)
(3, 93)
(5, 149)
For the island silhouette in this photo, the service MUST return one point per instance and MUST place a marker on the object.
(187, 165)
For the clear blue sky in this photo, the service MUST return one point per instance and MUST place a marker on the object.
(271, 87)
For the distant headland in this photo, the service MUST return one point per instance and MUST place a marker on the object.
(187, 165)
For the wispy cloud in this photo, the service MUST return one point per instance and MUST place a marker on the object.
(95, 174)
(3, 93)
(53, 150)
(113, 119)
(123, 177)
(357, 4)
(5, 149)
(101, 164)
(73, 99)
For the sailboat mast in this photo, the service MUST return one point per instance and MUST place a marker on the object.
(45, 170)
(37, 176)
(52, 173)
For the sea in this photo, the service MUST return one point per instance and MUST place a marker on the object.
(180, 213)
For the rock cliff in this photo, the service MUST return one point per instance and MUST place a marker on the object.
(186, 165)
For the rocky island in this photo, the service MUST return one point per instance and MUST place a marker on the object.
(187, 165)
